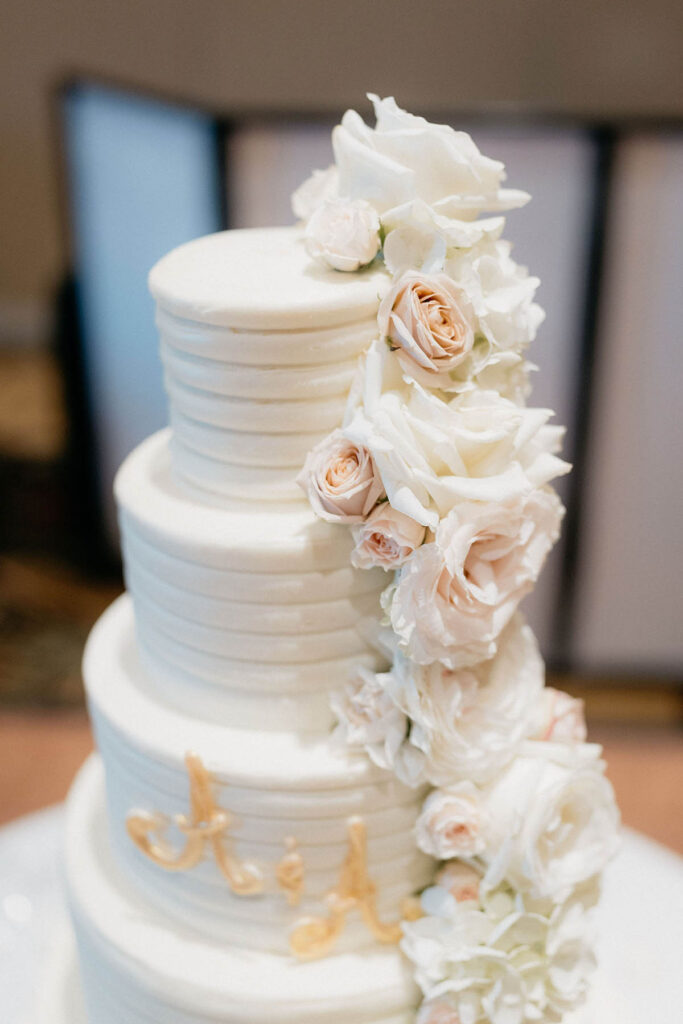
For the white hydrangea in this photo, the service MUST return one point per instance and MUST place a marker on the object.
(499, 957)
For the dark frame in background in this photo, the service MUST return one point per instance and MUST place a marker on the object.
(81, 469)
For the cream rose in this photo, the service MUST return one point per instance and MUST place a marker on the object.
(368, 717)
(552, 820)
(470, 722)
(341, 480)
(386, 538)
(560, 718)
(433, 455)
(428, 319)
(454, 597)
(405, 157)
(344, 233)
(452, 823)
(314, 191)
(461, 880)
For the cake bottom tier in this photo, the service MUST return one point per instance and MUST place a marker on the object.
(138, 966)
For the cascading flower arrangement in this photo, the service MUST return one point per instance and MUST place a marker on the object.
(443, 474)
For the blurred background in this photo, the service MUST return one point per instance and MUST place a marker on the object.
(127, 128)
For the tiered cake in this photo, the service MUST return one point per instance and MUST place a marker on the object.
(330, 784)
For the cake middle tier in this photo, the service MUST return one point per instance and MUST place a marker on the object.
(198, 811)
(243, 615)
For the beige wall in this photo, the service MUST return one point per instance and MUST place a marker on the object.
(587, 56)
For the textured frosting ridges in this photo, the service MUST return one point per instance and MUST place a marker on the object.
(253, 385)
(138, 968)
(274, 784)
(243, 615)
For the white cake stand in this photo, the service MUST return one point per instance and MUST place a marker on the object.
(640, 980)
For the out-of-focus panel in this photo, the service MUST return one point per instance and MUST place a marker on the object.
(266, 162)
(631, 564)
(142, 179)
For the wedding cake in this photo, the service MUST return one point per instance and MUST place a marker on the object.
(330, 783)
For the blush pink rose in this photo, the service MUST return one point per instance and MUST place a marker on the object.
(437, 1011)
(560, 717)
(460, 880)
(386, 538)
(341, 480)
(451, 823)
(429, 320)
(455, 596)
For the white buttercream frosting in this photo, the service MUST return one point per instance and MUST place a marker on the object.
(243, 614)
(259, 346)
(276, 783)
(137, 966)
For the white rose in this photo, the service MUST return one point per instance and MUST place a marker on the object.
(470, 722)
(502, 293)
(454, 597)
(501, 958)
(429, 321)
(417, 237)
(552, 820)
(386, 538)
(340, 480)
(344, 233)
(368, 718)
(405, 157)
(315, 190)
(560, 718)
(433, 454)
(452, 822)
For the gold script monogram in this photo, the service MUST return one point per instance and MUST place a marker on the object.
(208, 828)
(314, 936)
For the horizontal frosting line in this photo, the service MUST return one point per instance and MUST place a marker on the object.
(264, 648)
(267, 416)
(239, 381)
(235, 536)
(264, 677)
(249, 587)
(320, 815)
(179, 967)
(276, 619)
(140, 1006)
(238, 447)
(210, 476)
(306, 710)
(204, 891)
(110, 670)
(294, 346)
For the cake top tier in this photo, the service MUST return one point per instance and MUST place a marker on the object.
(261, 279)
